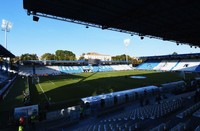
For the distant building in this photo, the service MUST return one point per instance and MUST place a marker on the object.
(94, 55)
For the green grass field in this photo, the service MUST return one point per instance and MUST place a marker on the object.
(73, 87)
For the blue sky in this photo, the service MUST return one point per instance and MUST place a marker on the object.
(49, 35)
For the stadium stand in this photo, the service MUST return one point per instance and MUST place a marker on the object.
(95, 68)
(149, 65)
(189, 111)
(3, 77)
(70, 69)
(46, 70)
(57, 70)
(25, 70)
(6, 78)
(166, 65)
(102, 68)
(6, 86)
(187, 65)
(154, 116)
(183, 62)
(135, 118)
(197, 69)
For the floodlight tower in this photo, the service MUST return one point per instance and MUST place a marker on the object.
(126, 43)
(6, 26)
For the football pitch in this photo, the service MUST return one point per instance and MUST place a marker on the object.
(72, 87)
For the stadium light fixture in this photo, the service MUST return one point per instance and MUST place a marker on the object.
(126, 43)
(104, 27)
(6, 27)
(35, 18)
(28, 12)
(141, 36)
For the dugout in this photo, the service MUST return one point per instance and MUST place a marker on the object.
(173, 86)
(97, 102)
(116, 98)
(134, 94)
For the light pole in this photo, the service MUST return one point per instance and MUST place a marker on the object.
(126, 43)
(6, 26)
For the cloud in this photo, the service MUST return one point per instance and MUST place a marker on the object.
(127, 41)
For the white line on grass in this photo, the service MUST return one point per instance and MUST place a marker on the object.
(44, 93)
(52, 82)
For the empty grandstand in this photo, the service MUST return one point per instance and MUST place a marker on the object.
(183, 62)
(65, 68)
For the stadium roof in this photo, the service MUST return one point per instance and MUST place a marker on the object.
(177, 56)
(172, 20)
(5, 53)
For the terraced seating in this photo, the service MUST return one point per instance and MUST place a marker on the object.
(50, 70)
(25, 70)
(187, 65)
(197, 113)
(133, 119)
(105, 68)
(178, 127)
(189, 111)
(174, 65)
(160, 127)
(184, 126)
(56, 70)
(198, 68)
(148, 65)
(198, 128)
(70, 69)
(166, 65)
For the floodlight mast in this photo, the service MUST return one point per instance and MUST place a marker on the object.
(6, 27)
(126, 43)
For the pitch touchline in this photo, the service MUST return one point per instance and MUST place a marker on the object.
(44, 93)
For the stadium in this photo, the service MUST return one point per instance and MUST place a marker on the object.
(98, 93)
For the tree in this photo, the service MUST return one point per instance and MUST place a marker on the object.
(121, 58)
(65, 55)
(174, 53)
(82, 56)
(1, 58)
(15, 59)
(28, 56)
(136, 61)
(48, 56)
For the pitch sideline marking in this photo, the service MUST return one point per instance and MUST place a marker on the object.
(44, 93)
